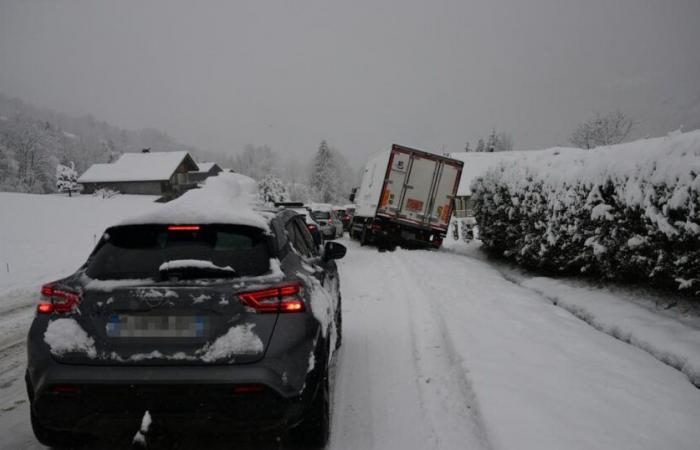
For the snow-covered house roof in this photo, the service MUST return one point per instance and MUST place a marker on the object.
(206, 166)
(151, 166)
(476, 164)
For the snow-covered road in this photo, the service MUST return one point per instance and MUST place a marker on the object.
(442, 352)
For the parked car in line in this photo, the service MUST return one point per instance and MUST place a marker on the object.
(229, 326)
(345, 218)
(313, 226)
(331, 225)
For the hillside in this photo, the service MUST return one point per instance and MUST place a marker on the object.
(34, 140)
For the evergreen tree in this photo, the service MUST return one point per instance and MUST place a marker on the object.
(467, 148)
(492, 141)
(323, 171)
(480, 146)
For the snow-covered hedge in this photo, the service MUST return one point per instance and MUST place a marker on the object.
(630, 211)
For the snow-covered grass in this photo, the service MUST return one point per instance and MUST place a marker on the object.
(45, 237)
(628, 211)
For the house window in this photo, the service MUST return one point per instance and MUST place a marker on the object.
(181, 178)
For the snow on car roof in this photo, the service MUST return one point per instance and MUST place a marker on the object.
(150, 166)
(229, 198)
(321, 206)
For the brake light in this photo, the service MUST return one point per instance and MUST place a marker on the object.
(285, 298)
(65, 389)
(248, 388)
(311, 227)
(57, 300)
(183, 228)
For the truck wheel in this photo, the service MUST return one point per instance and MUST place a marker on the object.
(53, 438)
(364, 238)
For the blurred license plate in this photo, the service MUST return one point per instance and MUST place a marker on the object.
(125, 325)
(408, 235)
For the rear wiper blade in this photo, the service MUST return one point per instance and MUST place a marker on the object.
(190, 268)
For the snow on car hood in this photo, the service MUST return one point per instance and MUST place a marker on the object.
(227, 198)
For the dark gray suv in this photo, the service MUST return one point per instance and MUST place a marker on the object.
(217, 327)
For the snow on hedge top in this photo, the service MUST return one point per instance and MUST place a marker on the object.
(229, 198)
(673, 160)
(135, 167)
(475, 164)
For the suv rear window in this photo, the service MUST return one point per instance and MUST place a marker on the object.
(138, 251)
(321, 214)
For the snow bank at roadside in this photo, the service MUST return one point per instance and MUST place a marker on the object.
(226, 198)
(669, 340)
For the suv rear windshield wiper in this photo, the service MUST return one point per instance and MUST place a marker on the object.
(194, 268)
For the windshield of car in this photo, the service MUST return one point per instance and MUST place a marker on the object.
(323, 215)
(141, 251)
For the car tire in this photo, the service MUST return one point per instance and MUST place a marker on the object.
(54, 438)
(314, 430)
(339, 324)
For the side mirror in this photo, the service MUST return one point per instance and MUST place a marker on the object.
(333, 250)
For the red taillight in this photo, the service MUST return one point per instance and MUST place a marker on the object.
(330, 221)
(183, 228)
(278, 299)
(311, 227)
(57, 300)
(248, 388)
(65, 389)
(44, 308)
(376, 227)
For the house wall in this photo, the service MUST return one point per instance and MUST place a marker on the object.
(130, 187)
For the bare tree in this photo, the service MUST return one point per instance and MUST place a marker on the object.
(610, 129)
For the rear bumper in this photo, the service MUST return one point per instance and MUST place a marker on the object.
(113, 399)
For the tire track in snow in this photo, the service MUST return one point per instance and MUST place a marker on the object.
(446, 391)
(377, 400)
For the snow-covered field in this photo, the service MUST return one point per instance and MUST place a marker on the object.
(441, 350)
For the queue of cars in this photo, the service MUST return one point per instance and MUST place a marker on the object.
(324, 221)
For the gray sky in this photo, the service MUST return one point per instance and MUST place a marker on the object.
(362, 74)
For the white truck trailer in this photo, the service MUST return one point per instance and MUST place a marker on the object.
(406, 197)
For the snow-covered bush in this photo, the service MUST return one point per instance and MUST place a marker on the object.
(105, 193)
(66, 178)
(629, 212)
(272, 190)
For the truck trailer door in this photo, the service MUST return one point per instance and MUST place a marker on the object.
(444, 191)
(418, 186)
